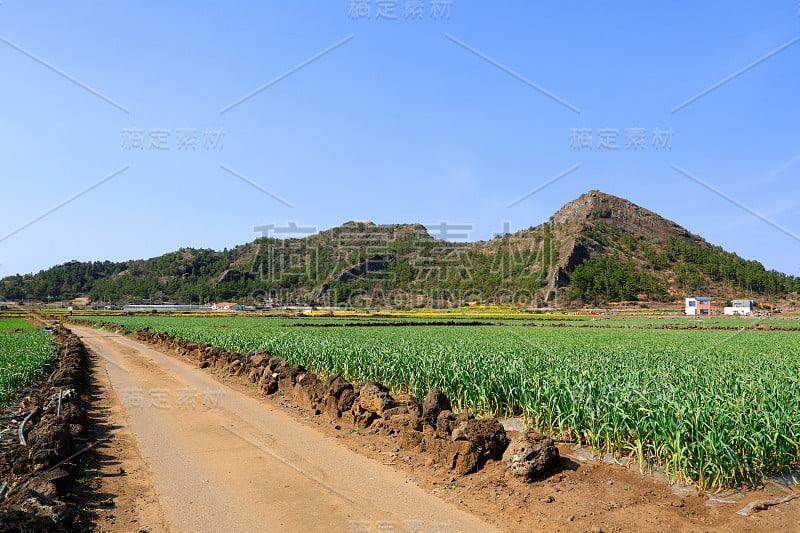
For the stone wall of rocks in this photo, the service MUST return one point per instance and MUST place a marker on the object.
(35, 475)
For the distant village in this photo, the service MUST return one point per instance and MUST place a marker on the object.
(701, 305)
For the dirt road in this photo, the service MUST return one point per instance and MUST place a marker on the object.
(220, 460)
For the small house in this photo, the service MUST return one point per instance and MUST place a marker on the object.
(698, 305)
(227, 306)
(740, 307)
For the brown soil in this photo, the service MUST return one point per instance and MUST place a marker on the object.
(578, 496)
(124, 498)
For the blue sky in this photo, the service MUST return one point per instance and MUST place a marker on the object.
(406, 120)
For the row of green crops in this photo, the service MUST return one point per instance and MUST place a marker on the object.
(682, 321)
(711, 407)
(22, 355)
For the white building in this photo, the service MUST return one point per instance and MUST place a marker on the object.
(226, 306)
(740, 307)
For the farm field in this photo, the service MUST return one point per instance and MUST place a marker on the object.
(672, 320)
(22, 355)
(712, 407)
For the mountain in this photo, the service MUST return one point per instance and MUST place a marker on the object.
(596, 248)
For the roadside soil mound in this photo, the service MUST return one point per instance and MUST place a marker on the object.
(35, 468)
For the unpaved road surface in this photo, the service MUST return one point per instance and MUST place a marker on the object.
(219, 460)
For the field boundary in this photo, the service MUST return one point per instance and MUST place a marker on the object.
(38, 468)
